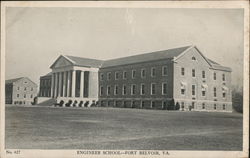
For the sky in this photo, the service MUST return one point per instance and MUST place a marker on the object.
(35, 37)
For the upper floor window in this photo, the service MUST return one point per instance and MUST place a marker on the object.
(116, 90)
(142, 89)
(215, 93)
(17, 95)
(214, 76)
(164, 71)
(31, 88)
(193, 58)
(116, 75)
(31, 96)
(124, 90)
(164, 88)
(153, 72)
(193, 72)
(24, 95)
(25, 88)
(108, 90)
(102, 76)
(18, 88)
(124, 74)
(133, 73)
(153, 85)
(224, 107)
(133, 89)
(101, 90)
(203, 93)
(108, 75)
(223, 77)
(193, 89)
(182, 91)
(215, 106)
(143, 73)
(203, 74)
(182, 71)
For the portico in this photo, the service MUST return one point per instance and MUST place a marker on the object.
(71, 81)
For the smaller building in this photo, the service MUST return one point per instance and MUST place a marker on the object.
(20, 91)
(45, 85)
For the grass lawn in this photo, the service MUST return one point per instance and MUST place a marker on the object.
(120, 128)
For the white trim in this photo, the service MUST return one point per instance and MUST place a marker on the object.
(151, 74)
(162, 70)
(151, 88)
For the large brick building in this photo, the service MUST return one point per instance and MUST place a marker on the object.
(20, 91)
(182, 76)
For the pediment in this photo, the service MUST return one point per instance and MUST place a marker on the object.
(61, 62)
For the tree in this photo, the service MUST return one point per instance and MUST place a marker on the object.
(237, 100)
(171, 105)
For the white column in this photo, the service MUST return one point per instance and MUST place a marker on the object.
(68, 84)
(56, 85)
(81, 84)
(64, 83)
(73, 83)
(52, 86)
(60, 84)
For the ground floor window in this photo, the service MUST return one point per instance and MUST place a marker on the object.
(203, 105)
(215, 106)
(142, 103)
(182, 105)
(192, 105)
(152, 104)
(224, 106)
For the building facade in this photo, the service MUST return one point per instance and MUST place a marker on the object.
(20, 91)
(181, 76)
(45, 86)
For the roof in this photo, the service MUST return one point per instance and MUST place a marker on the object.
(216, 66)
(164, 54)
(47, 75)
(158, 55)
(12, 80)
(79, 61)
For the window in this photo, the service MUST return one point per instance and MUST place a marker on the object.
(31, 96)
(193, 89)
(182, 71)
(18, 88)
(142, 103)
(124, 90)
(116, 75)
(153, 85)
(153, 72)
(25, 88)
(124, 74)
(215, 107)
(108, 90)
(214, 76)
(203, 92)
(203, 74)
(215, 94)
(108, 75)
(224, 94)
(116, 90)
(223, 77)
(24, 95)
(152, 104)
(164, 88)
(143, 73)
(31, 89)
(133, 89)
(164, 71)
(17, 95)
(133, 73)
(203, 105)
(183, 91)
(193, 72)
(101, 90)
(224, 107)
(193, 58)
(192, 105)
(101, 76)
(142, 89)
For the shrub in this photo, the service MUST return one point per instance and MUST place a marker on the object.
(177, 106)
(86, 104)
(80, 104)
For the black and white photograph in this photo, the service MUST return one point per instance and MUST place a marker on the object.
(124, 79)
